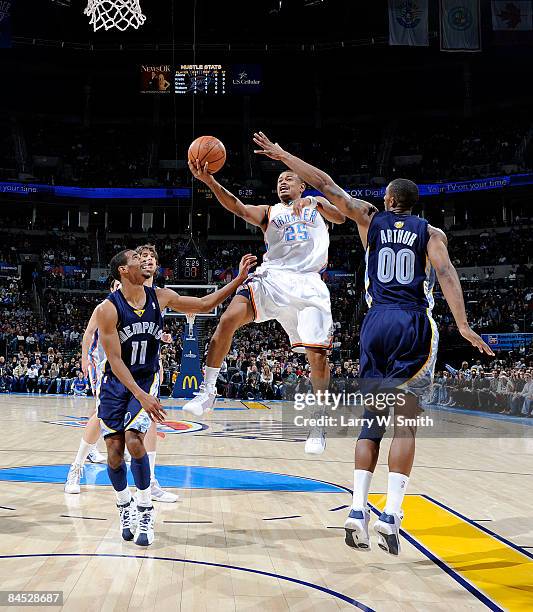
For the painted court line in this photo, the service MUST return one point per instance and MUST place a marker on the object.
(255, 405)
(493, 569)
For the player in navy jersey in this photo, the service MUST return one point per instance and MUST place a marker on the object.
(398, 338)
(130, 326)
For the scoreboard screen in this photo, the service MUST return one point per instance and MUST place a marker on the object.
(191, 269)
(201, 79)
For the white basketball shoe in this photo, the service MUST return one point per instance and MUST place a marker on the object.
(144, 535)
(72, 486)
(160, 495)
(95, 456)
(128, 519)
(356, 527)
(203, 401)
(387, 528)
(316, 441)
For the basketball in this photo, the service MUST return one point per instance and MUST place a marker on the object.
(208, 149)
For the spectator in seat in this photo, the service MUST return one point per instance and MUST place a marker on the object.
(19, 376)
(251, 388)
(266, 382)
(79, 386)
(6, 375)
(235, 384)
(32, 377)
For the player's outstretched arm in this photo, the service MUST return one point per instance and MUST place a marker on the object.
(358, 210)
(330, 212)
(451, 287)
(254, 215)
(86, 342)
(107, 320)
(182, 303)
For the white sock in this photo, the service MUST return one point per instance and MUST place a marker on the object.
(361, 487)
(144, 497)
(396, 492)
(211, 375)
(123, 497)
(151, 459)
(83, 451)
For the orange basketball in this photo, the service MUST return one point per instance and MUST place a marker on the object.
(208, 149)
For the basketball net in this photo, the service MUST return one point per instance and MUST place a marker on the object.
(190, 320)
(120, 14)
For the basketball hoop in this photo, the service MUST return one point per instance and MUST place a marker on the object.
(190, 320)
(120, 14)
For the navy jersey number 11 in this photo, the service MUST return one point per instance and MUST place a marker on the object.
(139, 332)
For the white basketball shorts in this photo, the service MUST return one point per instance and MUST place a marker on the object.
(299, 301)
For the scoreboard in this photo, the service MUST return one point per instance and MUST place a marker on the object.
(203, 79)
(191, 269)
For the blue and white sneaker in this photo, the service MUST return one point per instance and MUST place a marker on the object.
(387, 528)
(356, 527)
(128, 519)
(144, 535)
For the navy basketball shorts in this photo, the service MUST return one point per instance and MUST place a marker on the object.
(118, 409)
(398, 352)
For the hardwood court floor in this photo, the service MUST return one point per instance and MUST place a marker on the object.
(248, 535)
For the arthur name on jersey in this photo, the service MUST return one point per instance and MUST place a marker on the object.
(398, 236)
(308, 216)
(135, 329)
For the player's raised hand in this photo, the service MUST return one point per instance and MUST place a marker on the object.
(201, 172)
(247, 262)
(152, 406)
(166, 338)
(469, 334)
(298, 206)
(268, 148)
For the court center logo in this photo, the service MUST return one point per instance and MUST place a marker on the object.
(168, 427)
(409, 15)
(460, 18)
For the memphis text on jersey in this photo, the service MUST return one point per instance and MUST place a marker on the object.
(135, 329)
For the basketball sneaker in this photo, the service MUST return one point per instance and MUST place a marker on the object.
(356, 527)
(128, 519)
(160, 495)
(95, 456)
(144, 535)
(72, 485)
(387, 528)
(203, 401)
(316, 441)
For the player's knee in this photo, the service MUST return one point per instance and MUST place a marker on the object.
(135, 444)
(319, 362)
(228, 323)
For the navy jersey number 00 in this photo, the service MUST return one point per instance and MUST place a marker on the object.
(398, 271)
(139, 332)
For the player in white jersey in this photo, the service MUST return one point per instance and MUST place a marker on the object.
(287, 287)
(93, 361)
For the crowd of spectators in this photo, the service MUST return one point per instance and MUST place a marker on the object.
(504, 386)
(428, 149)
(458, 148)
(260, 363)
(490, 248)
